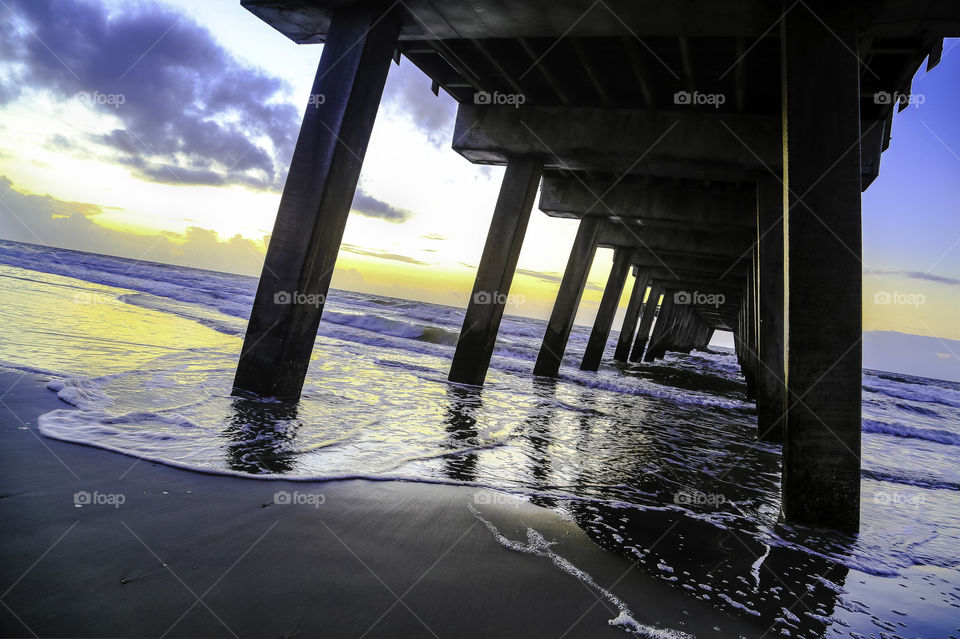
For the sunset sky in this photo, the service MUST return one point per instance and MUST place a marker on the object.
(162, 131)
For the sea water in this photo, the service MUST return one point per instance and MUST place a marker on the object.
(658, 462)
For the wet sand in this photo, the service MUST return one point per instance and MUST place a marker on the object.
(188, 554)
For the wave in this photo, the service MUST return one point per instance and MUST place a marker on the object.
(902, 430)
(909, 479)
(917, 393)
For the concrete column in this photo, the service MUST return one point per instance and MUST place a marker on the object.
(748, 344)
(315, 203)
(646, 321)
(664, 325)
(495, 273)
(821, 450)
(568, 298)
(771, 388)
(608, 308)
(632, 316)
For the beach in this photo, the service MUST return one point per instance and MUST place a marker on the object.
(189, 554)
(638, 494)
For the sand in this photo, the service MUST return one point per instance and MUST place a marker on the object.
(193, 555)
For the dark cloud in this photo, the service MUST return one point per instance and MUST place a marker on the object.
(408, 91)
(372, 207)
(921, 275)
(182, 100)
(350, 248)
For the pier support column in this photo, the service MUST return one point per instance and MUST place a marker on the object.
(568, 298)
(661, 331)
(821, 450)
(771, 387)
(646, 321)
(316, 202)
(608, 308)
(495, 273)
(749, 343)
(632, 316)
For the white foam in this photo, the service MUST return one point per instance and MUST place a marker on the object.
(539, 546)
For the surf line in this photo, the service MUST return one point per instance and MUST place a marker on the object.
(537, 545)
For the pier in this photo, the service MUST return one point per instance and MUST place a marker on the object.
(720, 150)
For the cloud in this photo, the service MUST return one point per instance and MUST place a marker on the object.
(553, 278)
(350, 248)
(920, 275)
(189, 112)
(546, 277)
(434, 236)
(408, 92)
(370, 206)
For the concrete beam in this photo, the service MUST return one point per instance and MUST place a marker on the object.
(652, 204)
(478, 337)
(699, 145)
(686, 144)
(307, 21)
(315, 204)
(728, 244)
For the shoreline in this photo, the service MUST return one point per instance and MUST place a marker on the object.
(177, 552)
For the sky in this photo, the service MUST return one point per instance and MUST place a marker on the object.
(162, 131)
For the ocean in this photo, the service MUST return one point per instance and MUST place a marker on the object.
(657, 462)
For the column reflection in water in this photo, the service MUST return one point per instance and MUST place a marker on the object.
(461, 426)
(261, 435)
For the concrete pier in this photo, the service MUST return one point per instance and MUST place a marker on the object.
(606, 311)
(315, 203)
(568, 298)
(632, 317)
(821, 224)
(771, 387)
(495, 273)
(663, 326)
(646, 321)
(691, 192)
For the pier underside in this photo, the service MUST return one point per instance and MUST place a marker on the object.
(720, 149)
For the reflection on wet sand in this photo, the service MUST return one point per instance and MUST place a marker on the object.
(703, 521)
